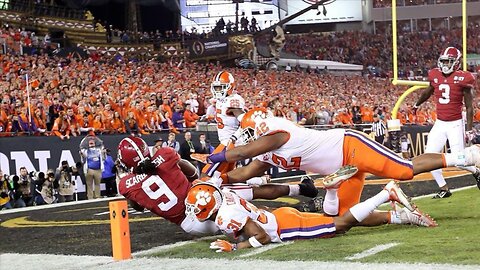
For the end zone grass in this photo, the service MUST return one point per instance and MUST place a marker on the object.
(455, 241)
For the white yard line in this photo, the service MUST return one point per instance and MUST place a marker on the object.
(171, 246)
(371, 251)
(259, 250)
(57, 205)
(452, 190)
(70, 262)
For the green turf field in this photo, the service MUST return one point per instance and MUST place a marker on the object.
(455, 241)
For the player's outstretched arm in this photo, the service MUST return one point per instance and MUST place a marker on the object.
(424, 96)
(242, 174)
(256, 235)
(188, 169)
(260, 146)
(468, 100)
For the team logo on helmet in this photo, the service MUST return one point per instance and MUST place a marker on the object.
(203, 198)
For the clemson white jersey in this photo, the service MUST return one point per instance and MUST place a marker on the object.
(228, 124)
(306, 149)
(234, 213)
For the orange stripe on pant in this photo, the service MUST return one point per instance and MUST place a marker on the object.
(293, 224)
(369, 157)
(222, 167)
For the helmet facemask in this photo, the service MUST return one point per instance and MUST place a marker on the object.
(219, 90)
(248, 135)
(447, 64)
(449, 60)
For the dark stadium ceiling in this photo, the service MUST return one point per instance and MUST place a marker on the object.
(170, 4)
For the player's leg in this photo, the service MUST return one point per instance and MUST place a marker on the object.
(456, 139)
(338, 201)
(222, 167)
(437, 137)
(363, 214)
(293, 224)
(369, 156)
(274, 191)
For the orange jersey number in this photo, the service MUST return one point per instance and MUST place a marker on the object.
(282, 162)
(262, 218)
(234, 103)
(234, 225)
(219, 120)
(262, 128)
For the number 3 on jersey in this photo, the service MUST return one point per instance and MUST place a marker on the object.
(445, 89)
(162, 189)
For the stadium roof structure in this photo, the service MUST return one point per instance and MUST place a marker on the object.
(321, 64)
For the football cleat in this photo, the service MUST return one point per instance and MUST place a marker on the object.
(415, 218)
(307, 187)
(335, 179)
(442, 194)
(476, 175)
(199, 157)
(397, 195)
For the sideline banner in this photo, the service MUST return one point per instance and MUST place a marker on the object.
(208, 47)
(43, 153)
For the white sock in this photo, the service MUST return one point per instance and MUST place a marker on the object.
(330, 203)
(394, 217)
(294, 190)
(437, 175)
(456, 159)
(471, 169)
(255, 181)
(362, 210)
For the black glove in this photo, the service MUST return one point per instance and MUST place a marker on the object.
(3, 195)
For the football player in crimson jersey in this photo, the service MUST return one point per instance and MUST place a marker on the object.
(160, 183)
(253, 227)
(280, 142)
(451, 88)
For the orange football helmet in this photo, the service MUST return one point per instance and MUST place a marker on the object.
(203, 200)
(249, 121)
(223, 85)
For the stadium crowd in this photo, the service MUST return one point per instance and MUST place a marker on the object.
(417, 51)
(84, 97)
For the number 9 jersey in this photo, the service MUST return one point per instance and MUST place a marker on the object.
(448, 92)
(163, 193)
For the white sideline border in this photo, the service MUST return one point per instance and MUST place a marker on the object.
(72, 262)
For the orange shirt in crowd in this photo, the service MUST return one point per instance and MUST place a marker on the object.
(190, 118)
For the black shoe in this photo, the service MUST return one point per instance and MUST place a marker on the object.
(314, 205)
(476, 175)
(307, 187)
(442, 194)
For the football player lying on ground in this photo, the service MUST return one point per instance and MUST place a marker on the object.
(255, 227)
(160, 184)
(279, 142)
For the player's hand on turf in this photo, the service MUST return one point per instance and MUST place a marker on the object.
(223, 246)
